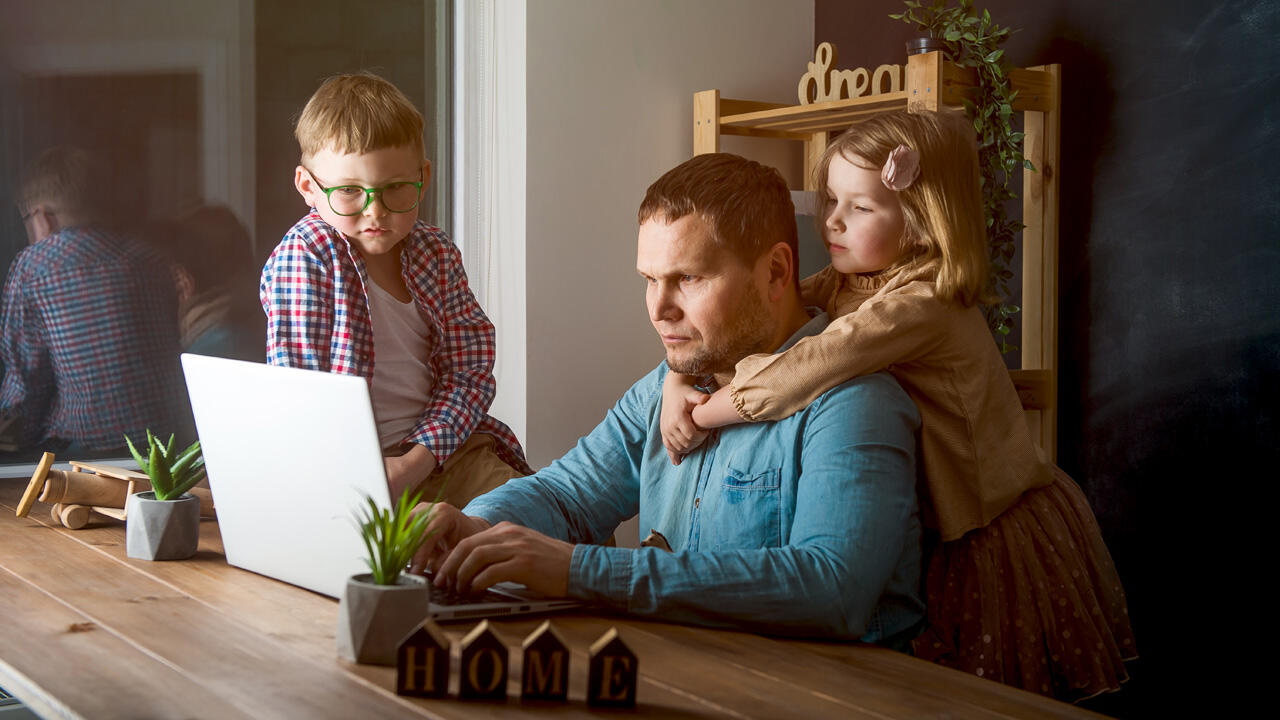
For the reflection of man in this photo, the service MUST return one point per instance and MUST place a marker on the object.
(806, 526)
(88, 335)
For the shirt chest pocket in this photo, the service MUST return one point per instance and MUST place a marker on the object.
(750, 510)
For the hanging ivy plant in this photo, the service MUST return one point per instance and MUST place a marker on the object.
(971, 40)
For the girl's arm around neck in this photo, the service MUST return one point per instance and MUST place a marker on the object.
(717, 411)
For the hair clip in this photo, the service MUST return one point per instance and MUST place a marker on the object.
(901, 169)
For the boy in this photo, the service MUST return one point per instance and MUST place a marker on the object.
(361, 286)
(89, 336)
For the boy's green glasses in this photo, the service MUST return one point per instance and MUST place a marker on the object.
(397, 197)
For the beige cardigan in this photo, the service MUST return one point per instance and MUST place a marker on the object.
(976, 450)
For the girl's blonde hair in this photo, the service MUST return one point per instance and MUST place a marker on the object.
(358, 113)
(945, 237)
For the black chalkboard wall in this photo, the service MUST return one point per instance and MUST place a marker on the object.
(1170, 290)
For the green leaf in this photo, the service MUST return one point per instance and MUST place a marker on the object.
(994, 56)
(187, 460)
(183, 486)
(392, 536)
(952, 35)
(161, 480)
(137, 456)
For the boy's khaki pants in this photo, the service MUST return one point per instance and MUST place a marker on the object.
(472, 470)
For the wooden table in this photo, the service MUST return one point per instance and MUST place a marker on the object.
(88, 632)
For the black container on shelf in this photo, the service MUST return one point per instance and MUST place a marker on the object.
(916, 46)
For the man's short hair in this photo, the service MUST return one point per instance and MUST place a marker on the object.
(746, 205)
(69, 180)
(358, 113)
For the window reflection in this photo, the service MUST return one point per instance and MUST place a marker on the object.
(187, 111)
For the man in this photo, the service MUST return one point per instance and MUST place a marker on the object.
(89, 329)
(807, 526)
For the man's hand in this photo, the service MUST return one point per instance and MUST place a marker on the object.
(447, 527)
(680, 434)
(508, 552)
(406, 471)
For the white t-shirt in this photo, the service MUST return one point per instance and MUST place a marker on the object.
(402, 374)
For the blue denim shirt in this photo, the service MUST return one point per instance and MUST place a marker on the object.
(807, 526)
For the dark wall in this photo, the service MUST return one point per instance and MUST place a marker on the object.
(1169, 283)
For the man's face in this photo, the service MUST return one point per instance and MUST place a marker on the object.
(376, 230)
(706, 304)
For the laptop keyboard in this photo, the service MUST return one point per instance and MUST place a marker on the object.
(445, 596)
(452, 597)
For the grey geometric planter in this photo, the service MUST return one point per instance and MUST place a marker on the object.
(161, 529)
(373, 619)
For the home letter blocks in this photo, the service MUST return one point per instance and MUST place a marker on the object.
(422, 667)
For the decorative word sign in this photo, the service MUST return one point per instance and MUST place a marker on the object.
(546, 666)
(422, 667)
(820, 83)
(611, 677)
(422, 663)
(484, 665)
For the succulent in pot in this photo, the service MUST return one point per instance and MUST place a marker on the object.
(163, 523)
(380, 608)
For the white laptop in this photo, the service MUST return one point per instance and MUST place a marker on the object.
(291, 454)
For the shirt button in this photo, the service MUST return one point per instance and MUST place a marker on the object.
(696, 502)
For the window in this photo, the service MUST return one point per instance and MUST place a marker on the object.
(190, 108)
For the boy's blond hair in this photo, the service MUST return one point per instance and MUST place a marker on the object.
(945, 233)
(70, 181)
(746, 205)
(358, 113)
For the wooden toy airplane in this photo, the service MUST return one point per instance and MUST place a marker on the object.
(90, 487)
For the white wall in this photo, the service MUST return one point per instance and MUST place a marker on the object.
(608, 108)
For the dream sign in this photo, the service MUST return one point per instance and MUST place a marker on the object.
(821, 84)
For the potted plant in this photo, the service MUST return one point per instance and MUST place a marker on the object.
(380, 608)
(163, 523)
(972, 40)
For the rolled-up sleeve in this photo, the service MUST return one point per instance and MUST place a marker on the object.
(583, 496)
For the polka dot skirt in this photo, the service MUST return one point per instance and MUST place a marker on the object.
(1031, 600)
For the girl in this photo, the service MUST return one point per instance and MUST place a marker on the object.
(1021, 588)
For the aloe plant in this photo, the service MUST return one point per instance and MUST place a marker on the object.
(171, 474)
(392, 535)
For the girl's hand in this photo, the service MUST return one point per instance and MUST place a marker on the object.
(680, 434)
(717, 411)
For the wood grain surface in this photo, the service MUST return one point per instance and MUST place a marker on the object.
(91, 633)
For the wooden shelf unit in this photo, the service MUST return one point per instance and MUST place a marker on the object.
(932, 83)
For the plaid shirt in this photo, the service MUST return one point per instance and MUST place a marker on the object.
(313, 291)
(89, 341)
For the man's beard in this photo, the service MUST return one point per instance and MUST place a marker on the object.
(747, 332)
